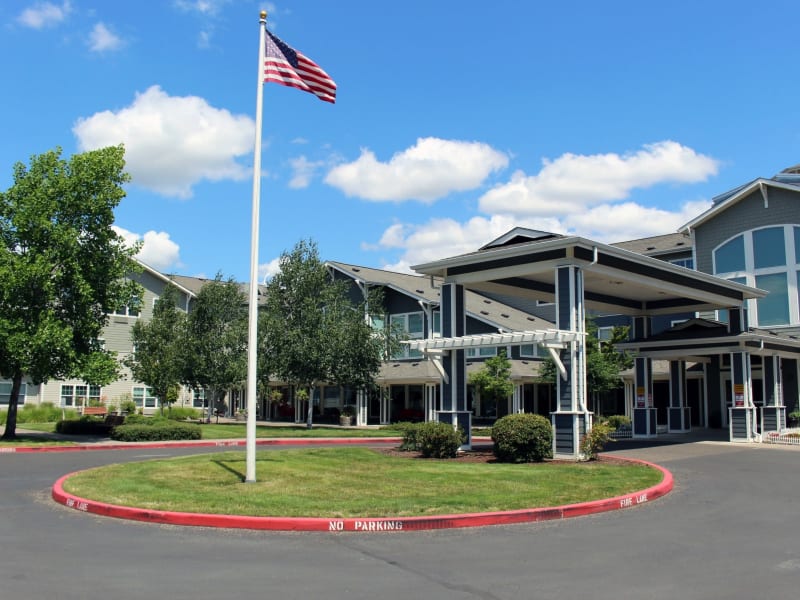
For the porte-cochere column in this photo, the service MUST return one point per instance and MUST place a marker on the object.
(571, 420)
(773, 413)
(679, 415)
(644, 413)
(454, 385)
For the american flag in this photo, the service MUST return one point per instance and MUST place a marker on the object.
(285, 65)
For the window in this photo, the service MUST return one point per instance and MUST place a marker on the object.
(729, 257)
(126, 311)
(604, 334)
(143, 397)
(5, 393)
(481, 352)
(769, 248)
(131, 310)
(529, 350)
(437, 324)
(687, 263)
(774, 308)
(331, 397)
(766, 258)
(199, 398)
(79, 395)
(411, 327)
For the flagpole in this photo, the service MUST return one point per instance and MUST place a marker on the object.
(252, 320)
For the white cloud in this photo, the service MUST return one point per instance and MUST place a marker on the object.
(102, 39)
(172, 142)
(574, 195)
(44, 14)
(203, 7)
(427, 171)
(572, 183)
(303, 170)
(440, 238)
(157, 251)
(630, 221)
(267, 270)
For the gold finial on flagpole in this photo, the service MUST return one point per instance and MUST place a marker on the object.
(263, 15)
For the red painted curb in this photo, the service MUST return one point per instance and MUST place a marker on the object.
(202, 444)
(368, 524)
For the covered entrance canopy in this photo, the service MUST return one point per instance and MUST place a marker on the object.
(577, 275)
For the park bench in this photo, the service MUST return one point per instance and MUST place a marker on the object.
(95, 411)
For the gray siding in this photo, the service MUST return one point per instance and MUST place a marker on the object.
(748, 213)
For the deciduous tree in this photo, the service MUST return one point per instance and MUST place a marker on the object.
(604, 362)
(63, 268)
(215, 347)
(159, 344)
(319, 334)
(493, 380)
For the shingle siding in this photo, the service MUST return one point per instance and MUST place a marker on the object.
(746, 214)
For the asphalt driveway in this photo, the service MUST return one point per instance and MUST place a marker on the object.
(730, 529)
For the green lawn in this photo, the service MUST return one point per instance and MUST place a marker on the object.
(212, 431)
(34, 440)
(352, 482)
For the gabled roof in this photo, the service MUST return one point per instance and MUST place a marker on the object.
(166, 279)
(520, 235)
(726, 200)
(195, 284)
(658, 245)
(427, 290)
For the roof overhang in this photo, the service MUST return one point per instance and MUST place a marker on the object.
(755, 342)
(759, 184)
(615, 280)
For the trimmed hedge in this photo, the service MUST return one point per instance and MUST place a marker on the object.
(438, 440)
(522, 438)
(432, 439)
(82, 426)
(617, 422)
(157, 431)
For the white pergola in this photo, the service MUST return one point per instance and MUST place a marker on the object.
(552, 339)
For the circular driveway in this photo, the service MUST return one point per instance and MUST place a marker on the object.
(729, 529)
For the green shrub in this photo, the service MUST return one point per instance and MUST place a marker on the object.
(410, 441)
(158, 431)
(438, 440)
(140, 419)
(617, 422)
(595, 441)
(182, 413)
(126, 404)
(522, 438)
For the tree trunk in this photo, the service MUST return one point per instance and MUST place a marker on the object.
(310, 412)
(13, 402)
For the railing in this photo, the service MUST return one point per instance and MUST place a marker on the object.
(621, 434)
(787, 437)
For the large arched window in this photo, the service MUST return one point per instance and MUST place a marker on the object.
(766, 258)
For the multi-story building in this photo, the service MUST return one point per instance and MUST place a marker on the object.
(713, 311)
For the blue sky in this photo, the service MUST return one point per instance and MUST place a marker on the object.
(455, 120)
